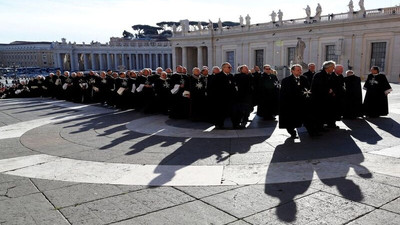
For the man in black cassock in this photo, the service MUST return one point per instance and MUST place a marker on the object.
(266, 88)
(321, 95)
(59, 80)
(243, 103)
(195, 90)
(146, 92)
(92, 80)
(133, 83)
(310, 73)
(294, 101)
(162, 88)
(179, 104)
(222, 92)
(336, 99)
(353, 96)
(378, 87)
(102, 88)
(81, 93)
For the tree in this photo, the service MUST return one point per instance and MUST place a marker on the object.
(127, 35)
(145, 30)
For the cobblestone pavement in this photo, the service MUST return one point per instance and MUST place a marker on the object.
(66, 163)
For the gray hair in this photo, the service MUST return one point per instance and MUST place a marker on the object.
(294, 66)
(225, 63)
(267, 65)
(239, 69)
(196, 68)
(328, 64)
(349, 72)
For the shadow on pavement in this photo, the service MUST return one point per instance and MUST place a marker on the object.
(334, 143)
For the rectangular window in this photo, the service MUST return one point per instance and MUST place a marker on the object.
(290, 55)
(378, 55)
(230, 57)
(260, 58)
(330, 53)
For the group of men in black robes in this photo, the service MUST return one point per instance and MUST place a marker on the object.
(315, 99)
(329, 97)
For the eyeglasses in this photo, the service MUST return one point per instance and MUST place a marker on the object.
(267, 69)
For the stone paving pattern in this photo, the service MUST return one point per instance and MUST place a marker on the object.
(342, 195)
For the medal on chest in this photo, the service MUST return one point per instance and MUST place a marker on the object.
(199, 85)
(373, 81)
(306, 92)
(166, 84)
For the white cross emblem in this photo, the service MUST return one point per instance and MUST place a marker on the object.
(199, 85)
(277, 85)
(166, 85)
(373, 81)
(307, 92)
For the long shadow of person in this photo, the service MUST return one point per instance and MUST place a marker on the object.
(204, 151)
(362, 131)
(292, 167)
(387, 124)
(279, 176)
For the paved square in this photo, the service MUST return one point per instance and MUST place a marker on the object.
(66, 163)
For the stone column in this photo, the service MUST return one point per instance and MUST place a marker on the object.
(173, 58)
(210, 57)
(137, 62)
(184, 56)
(85, 62)
(108, 62)
(131, 61)
(393, 65)
(116, 61)
(101, 62)
(74, 61)
(150, 60)
(157, 61)
(358, 60)
(200, 57)
(92, 56)
(58, 61)
(169, 63)
(163, 61)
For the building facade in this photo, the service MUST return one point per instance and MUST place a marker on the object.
(26, 54)
(118, 54)
(357, 40)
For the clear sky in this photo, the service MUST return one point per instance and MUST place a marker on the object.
(98, 20)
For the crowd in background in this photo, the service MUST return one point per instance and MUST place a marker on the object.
(315, 99)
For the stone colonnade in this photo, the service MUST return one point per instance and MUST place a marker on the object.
(83, 61)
